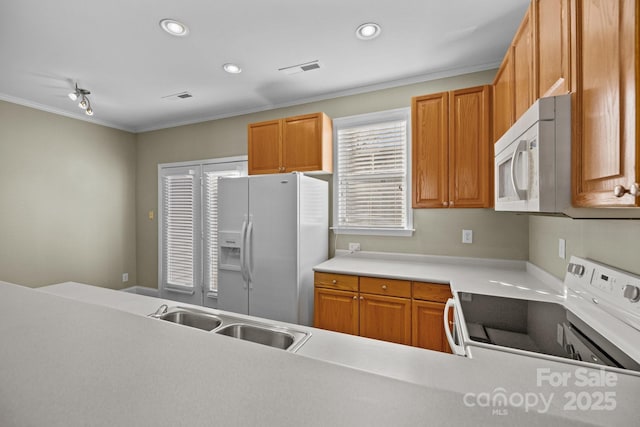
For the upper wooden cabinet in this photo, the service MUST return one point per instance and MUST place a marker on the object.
(522, 51)
(606, 151)
(452, 153)
(537, 63)
(300, 143)
(552, 49)
(503, 97)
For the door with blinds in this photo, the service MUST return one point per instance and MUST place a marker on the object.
(188, 228)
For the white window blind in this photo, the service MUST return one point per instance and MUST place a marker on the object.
(210, 226)
(188, 228)
(372, 172)
(179, 227)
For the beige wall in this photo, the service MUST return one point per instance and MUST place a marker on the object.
(75, 198)
(67, 191)
(438, 231)
(613, 242)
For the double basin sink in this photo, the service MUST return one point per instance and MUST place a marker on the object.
(284, 338)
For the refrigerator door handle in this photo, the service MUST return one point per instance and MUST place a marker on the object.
(243, 268)
(249, 256)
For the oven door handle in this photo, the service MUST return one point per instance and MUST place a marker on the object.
(458, 349)
(521, 148)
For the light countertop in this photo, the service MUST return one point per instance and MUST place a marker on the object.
(515, 279)
(155, 362)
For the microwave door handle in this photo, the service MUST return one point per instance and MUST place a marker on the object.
(521, 148)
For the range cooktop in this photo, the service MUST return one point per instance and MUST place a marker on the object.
(597, 324)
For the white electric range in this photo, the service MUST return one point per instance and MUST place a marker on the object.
(597, 323)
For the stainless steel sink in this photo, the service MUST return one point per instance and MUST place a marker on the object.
(204, 321)
(258, 334)
(284, 338)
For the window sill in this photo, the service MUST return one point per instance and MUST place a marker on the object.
(375, 231)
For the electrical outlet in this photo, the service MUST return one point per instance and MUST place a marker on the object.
(354, 247)
(125, 277)
(467, 236)
(562, 248)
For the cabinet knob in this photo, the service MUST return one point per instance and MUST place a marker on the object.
(334, 281)
(361, 298)
(445, 204)
(384, 287)
(620, 191)
(451, 203)
(355, 297)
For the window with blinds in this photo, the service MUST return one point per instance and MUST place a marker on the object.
(178, 228)
(188, 233)
(210, 226)
(371, 188)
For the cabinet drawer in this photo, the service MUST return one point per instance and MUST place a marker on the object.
(391, 287)
(431, 291)
(336, 281)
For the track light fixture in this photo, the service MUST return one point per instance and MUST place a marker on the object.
(83, 96)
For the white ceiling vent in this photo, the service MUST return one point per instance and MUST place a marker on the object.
(177, 96)
(300, 68)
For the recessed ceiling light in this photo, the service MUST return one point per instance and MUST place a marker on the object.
(368, 31)
(231, 68)
(173, 27)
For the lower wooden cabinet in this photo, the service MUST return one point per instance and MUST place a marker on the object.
(336, 310)
(385, 318)
(428, 328)
(392, 310)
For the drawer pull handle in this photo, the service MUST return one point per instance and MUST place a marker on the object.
(384, 287)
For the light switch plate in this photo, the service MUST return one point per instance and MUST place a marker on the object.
(125, 277)
(562, 248)
(467, 236)
(354, 247)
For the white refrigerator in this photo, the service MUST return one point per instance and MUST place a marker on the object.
(272, 230)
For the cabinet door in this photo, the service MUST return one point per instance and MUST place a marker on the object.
(470, 152)
(503, 97)
(385, 318)
(430, 117)
(523, 66)
(552, 49)
(604, 141)
(303, 139)
(336, 310)
(428, 327)
(264, 148)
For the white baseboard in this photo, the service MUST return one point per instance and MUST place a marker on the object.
(142, 290)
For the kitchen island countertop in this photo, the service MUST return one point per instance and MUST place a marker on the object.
(94, 357)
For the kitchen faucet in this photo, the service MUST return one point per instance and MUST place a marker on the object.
(160, 311)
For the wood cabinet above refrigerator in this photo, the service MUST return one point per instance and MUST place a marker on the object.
(292, 144)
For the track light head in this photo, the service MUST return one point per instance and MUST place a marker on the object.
(82, 95)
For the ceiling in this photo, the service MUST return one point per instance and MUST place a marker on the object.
(117, 50)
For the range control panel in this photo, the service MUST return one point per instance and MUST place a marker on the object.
(604, 284)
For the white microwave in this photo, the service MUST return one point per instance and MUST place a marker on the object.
(533, 159)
